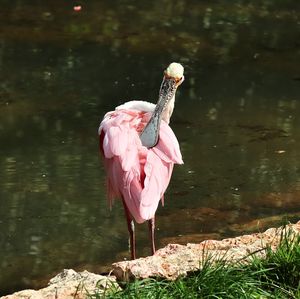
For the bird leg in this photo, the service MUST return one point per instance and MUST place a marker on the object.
(131, 230)
(151, 224)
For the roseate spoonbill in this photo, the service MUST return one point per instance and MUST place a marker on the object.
(140, 150)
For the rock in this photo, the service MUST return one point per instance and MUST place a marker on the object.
(69, 284)
(169, 262)
(175, 260)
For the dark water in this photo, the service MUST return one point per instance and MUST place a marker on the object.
(236, 117)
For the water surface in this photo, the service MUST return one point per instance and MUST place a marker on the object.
(236, 118)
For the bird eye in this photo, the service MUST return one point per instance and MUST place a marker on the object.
(180, 80)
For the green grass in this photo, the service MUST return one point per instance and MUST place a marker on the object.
(275, 276)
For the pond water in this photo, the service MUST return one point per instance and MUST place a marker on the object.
(236, 118)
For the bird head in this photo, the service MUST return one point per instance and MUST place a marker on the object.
(173, 77)
(175, 71)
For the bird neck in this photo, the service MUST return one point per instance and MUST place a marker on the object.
(167, 112)
(163, 110)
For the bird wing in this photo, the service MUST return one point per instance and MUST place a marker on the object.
(138, 174)
(167, 147)
(157, 178)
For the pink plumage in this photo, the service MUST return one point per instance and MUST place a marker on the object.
(135, 173)
(140, 150)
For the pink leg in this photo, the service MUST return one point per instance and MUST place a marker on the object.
(151, 224)
(130, 226)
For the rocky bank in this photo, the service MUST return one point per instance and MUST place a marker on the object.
(169, 262)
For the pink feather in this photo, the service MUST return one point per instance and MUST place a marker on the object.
(137, 174)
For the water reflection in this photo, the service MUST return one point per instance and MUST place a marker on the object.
(235, 117)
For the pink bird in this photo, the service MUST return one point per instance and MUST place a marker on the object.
(140, 150)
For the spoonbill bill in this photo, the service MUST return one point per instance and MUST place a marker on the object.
(140, 150)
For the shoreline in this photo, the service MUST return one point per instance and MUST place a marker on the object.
(170, 262)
